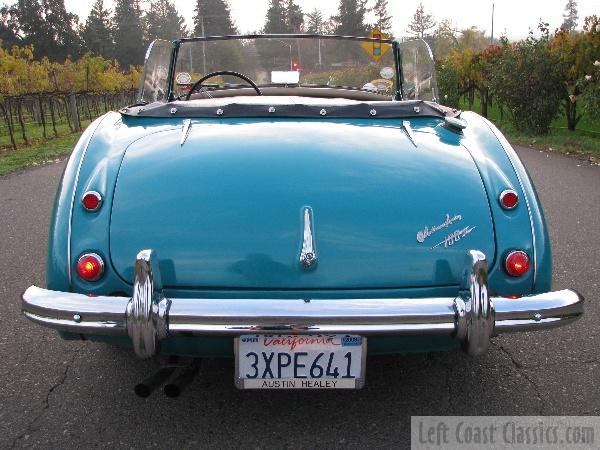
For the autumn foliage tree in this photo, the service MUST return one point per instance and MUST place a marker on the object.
(576, 53)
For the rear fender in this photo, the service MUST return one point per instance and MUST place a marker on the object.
(521, 228)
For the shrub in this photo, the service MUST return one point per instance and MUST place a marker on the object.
(592, 93)
(448, 83)
(528, 82)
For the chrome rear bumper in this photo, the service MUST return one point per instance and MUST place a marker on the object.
(148, 317)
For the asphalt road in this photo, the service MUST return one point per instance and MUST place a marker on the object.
(58, 394)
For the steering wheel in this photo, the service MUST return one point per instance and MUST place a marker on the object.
(222, 72)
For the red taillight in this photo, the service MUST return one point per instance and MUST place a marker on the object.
(91, 200)
(90, 267)
(509, 199)
(517, 263)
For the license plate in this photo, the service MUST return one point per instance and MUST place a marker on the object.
(332, 361)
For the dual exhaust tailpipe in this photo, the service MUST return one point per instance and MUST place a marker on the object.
(185, 374)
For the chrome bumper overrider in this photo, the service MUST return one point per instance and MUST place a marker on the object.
(472, 317)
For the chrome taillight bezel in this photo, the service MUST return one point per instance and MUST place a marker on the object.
(508, 270)
(98, 197)
(98, 259)
(503, 195)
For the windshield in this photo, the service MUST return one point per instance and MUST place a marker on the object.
(291, 61)
(342, 64)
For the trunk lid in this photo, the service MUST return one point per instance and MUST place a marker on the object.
(225, 209)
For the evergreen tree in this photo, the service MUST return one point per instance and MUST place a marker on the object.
(129, 33)
(213, 17)
(276, 18)
(350, 20)
(315, 22)
(570, 16)
(97, 32)
(383, 20)
(421, 22)
(294, 18)
(164, 22)
(47, 26)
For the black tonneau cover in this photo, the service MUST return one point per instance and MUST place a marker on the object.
(289, 106)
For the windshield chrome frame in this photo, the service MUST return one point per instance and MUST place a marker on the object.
(177, 43)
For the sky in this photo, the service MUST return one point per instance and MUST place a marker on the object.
(513, 17)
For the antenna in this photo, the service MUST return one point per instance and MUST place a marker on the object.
(492, 38)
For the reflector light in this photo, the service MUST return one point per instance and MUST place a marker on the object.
(517, 263)
(91, 200)
(509, 199)
(90, 267)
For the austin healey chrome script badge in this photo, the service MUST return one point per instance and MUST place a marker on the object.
(308, 252)
(451, 238)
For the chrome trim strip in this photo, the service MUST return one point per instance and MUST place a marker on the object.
(409, 132)
(400, 329)
(185, 131)
(510, 154)
(308, 252)
(101, 326)
(148, 317)
(74, 194)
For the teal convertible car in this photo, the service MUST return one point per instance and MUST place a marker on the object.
(295, 202)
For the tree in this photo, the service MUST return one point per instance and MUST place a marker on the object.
(129, 33)
(570, 16)
(576, 53)
(9, 27)
(276, 20)
(383, 20)
(294, 18)
(444, 39)
(350, 20)
(164, 22)
(213, 18)
(315, 22)
(97, 33)
(528, 82)
(421, 22)
(592, 92)
(47, 26)
(448, 80)
(473, 38)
